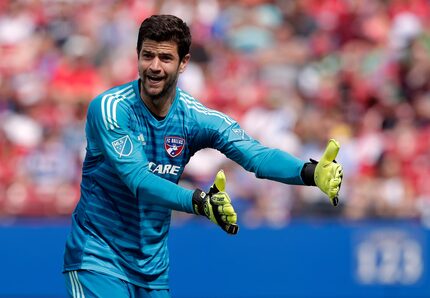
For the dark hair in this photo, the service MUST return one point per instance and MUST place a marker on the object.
(165, 28)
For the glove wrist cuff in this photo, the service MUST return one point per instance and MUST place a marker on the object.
(308, 172)
(198, 201)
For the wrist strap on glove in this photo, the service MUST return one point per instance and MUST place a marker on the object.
(199, 199)
(308, 172)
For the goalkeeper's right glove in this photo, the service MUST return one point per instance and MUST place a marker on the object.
(327, 174)
(216, 205)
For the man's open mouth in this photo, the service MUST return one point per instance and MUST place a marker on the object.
(154, 79)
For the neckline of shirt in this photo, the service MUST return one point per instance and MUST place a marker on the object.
(153, 117)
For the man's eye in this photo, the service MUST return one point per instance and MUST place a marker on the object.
(166, 58)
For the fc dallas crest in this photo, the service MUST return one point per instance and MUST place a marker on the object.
(174, 145)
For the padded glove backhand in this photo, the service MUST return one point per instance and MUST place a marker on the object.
(216, 205)
(329, 174)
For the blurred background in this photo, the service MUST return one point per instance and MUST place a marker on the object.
(293, 74)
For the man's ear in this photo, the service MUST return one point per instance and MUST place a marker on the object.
(184, 63)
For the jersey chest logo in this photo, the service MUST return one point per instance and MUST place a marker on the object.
(174, 145)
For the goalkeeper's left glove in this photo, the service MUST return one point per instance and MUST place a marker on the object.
(216, 205)
(327, 174)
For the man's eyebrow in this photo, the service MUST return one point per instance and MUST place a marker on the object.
(166, 54)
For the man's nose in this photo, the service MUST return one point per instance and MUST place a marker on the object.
(155, 64)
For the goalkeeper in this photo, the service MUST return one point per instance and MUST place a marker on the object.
(140, 136)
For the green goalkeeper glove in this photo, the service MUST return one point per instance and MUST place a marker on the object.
(327, 174)
(216, 205)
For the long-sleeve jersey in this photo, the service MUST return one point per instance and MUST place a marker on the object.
(130, 173)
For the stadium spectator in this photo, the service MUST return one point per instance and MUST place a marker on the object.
(359, 69)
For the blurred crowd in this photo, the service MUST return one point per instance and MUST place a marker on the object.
(292, 73)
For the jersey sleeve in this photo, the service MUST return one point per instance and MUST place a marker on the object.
(109, 125)
(224, 134)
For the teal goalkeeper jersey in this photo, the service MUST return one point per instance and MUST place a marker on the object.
(130, 173)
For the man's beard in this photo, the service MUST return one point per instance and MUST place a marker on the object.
(168, 87)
